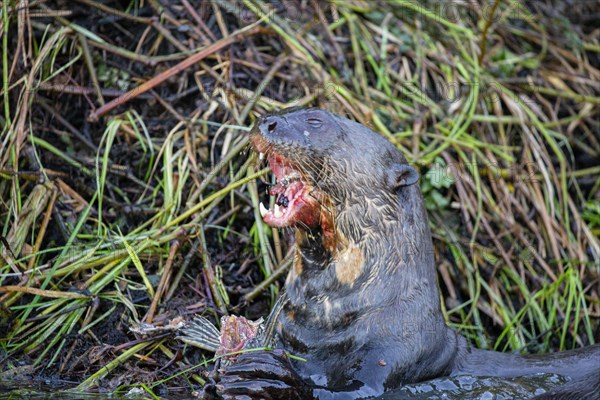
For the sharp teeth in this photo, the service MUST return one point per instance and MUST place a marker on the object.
(263, 209)
(261, 156)
(278, 212)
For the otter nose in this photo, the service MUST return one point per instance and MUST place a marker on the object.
(271, 125)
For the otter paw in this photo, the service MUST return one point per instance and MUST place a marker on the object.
(262, 375)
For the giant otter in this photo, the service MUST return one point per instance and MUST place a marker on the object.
(363, 309)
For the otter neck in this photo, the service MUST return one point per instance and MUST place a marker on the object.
(383, 242)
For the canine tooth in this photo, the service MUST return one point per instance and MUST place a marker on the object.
(263, 210)
(261, 156)
(278, 212)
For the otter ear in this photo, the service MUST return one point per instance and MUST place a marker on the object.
(402, 175)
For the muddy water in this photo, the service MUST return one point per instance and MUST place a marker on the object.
(21, 390)
(467, 387)
(463, 387)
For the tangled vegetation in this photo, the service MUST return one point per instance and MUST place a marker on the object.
(128, 194)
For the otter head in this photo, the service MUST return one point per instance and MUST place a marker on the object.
(325, 164)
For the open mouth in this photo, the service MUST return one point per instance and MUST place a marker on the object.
(296, 202)
(293, 202)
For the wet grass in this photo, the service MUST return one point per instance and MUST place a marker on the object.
(128, 195)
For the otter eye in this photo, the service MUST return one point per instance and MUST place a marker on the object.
(316, 122)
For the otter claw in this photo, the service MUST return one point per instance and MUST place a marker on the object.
(257, 389)
(261, 364)
(264, 375)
